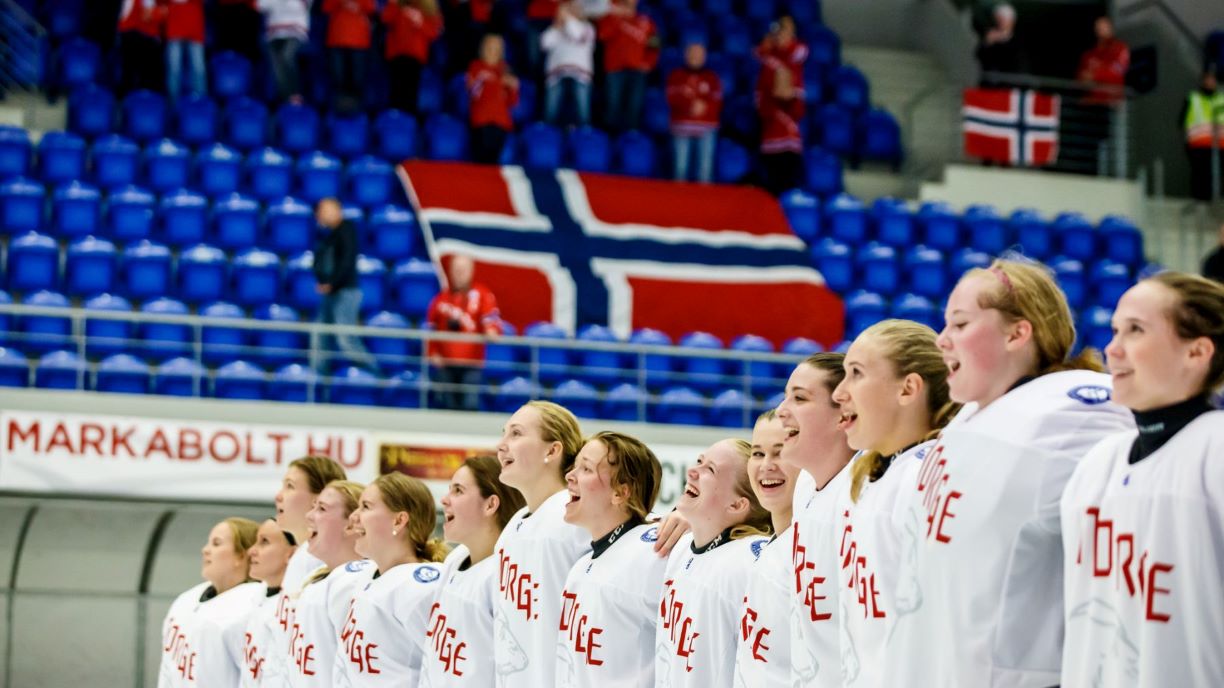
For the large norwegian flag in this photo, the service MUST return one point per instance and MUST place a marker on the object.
(576, 249)
(1011, 126)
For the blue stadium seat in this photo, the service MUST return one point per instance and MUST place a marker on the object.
(817, 85)
(863, 309)
(846, 219)
(76, 210)
(60, 370)
(392, 232)
(524, 111)
(766, 10)
(940, 226)
(706, 374)
(1071, 278)
(256, 277)
(289, 226)
(457, 96)
(656, 115)
(144, 116)
(297, 128)
(733, 162)
(14, 368)
(624, 402)
(220, 343)
(414, 283)
(678, 406)
(235, 222)
(553, 362)
(218, 170)
(1095, 327)
(180, 377)
(15, 152)
(279, 347)
(1109, 281)
(824, 172)
(106, 337)
(33, 263)
(805, 12)
(799, 346)
(42, 333)
(196, 120)
(919, 309)
(5, 324)
(731, 409)
(21, 205)
(880, 138)
(165, 340)
(270, 174)
(590, 150)
(79, 62)
(879, 268)
(318, 176)
(61, 157)
(964, 260)
(987, 230)
(579, 397)
(824, 46)
(122, 374)
(230, 74)
(372, 278)
(91, 111)
(1122, 240)
(129, 214)
(736, 40)
(395, 135)
(635, 154)
(503, 361)
(850, 89)
(348, 136)
(601, 368)
(239, 380)
(1077, 236)
(202, 274)
(184, 218)
(1034, 235)
(541, 147)
(927, 275)
(115, 161)
(403, 390)
(658, 368)
(803, 212)
(837, 133)
(300, 282)
(894, 223)
(432, 91)
(513, 393)
(167, 166)
(835, 262)
(760, 374)
(293, 383)
(145, 270)
(369, 181)
(393, 353)
(246, 124)
(89, 267)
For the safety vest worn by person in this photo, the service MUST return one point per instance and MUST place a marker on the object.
(1201, 110)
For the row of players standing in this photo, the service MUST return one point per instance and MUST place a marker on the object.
(1043, 535)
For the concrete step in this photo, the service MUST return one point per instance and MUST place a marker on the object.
(870, 184)
(32, 112)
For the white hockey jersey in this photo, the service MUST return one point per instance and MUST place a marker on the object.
(698, 616)
(318, 616)
(763, 655)
(202, 641)
(534, 554)
(276, 664)
(980, 540)
(257, 670)
(814, 627)
(380, 637)
(458, 641)
(299, 568)
(1144, 561)
(868, 557)
(608, 606)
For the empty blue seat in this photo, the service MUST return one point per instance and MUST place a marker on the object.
(579, 397)
(392, 353)
(61, 157)
(235, 222)
(635, 154)
(736, 40)
(33, 263)
(927, 275)
(184, 217)
(679, 406)
(279, 347)
(880, 137)
(919, 309)
(221, 343)
(837, 131)
(353, 386)
(457, 96)
(940, 226)
(524, 111)
(15, 152)
(432, 90)
(270, 174)
(863, 309)
(850, 88)
(246, 124)
(846, 219)
(598, 367)
(105, 336)
(5, 320)
(824, 46)
(835, 262)
(987, 230)
(144, 116)
(201, 274)
(167, 166)
(414, 283)
(372, 278)
(1071, 278)
(513, 393)
(1095, 327)
(541, 147)
(657, 368)
(731, 409)
(297, 128)
(403, 390)
(239, 380)
(348, 136)
(122, 374)
(964, 260)
(803, 212)
(115, 160)
(165, 340)
(79, 62)
(289, 226)
(1076, 236)
(369, 181)
(392, 233)
(656, 115)
(21, 205)
(1034, 235)
(624, 402)
(590, 150)
(733, 162)
(894, 223)
(300, 282)
(89, 267)
(91, 111)
(1109, 281)
(502, 360)
(196, 120)
(293, 382)
(552, 362)
(760, 374)
(395, 135)
(230, 74)
(60, 370)
(14, 368)
(879, 269)
(447, 138)
(318, 176)
(180, 377)
(256, 277)
(42, 333)
(76, 210)
(1122, 240)
(701, 372)
(129, 214)
(800, 346)
(218, 170)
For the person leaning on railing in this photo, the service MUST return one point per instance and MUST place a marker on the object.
(1202, 117)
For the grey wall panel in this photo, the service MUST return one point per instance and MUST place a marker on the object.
(62, 640)
(87, 546)
(4, 636)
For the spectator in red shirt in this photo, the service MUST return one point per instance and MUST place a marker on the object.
(412, 26)
(782, 44)
(140, 45)
(493, 90)
(348, 41)
(469, 308)
(1105, 63)
(631, 49)
(781, 107)
(695, 97)
(237, 28)
(185, 33)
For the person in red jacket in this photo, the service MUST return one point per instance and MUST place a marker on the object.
(466, 307)
(493, 90)
(1106, 64)
(348, 41)
(631, 50)
(185, 33)
(781, 106)
(783, 44)
(695, 97)
(412, 26)
(140, 25)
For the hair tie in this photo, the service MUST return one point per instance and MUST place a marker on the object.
(1007, 283)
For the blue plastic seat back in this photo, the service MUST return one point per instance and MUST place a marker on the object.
(144, 116)
(103, 336)
(396, 136)
(590, 150)
(33, 263)
(90, 266)
(202, 272)
(297, 128)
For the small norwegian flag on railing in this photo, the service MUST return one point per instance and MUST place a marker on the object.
(1011, 126)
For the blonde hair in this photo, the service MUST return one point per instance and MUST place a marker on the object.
(349, 491)
(758, 521)
(1198, 312)
(486, 471)
(766, 417)
(244, 531)
(910, 348)
(1025, 290)
(319, 470)
(403, 493)
(634, 466)
(557, 424)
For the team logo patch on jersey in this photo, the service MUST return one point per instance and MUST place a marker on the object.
(651, 535)
(426, 574)
(356, 566)
(757, 546)
(1089, 394)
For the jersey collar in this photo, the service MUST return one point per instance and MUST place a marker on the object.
(1158, 426)
(601, 545)
(721, 539)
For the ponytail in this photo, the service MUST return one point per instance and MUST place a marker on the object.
(433, 550)
(758, 521)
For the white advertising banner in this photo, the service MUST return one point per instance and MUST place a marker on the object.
(161, 458)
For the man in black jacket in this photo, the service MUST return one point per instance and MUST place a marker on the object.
(335, 268)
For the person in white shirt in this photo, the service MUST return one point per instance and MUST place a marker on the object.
(816, 443)
(264, 665)
(379, 641)
(894, 400)
(323, 603)
(1143, 550)
(607, 631)
(458, 642)
(202, 634)
(979, 527)
(763, 657)
(570, 47)
(707, 573)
